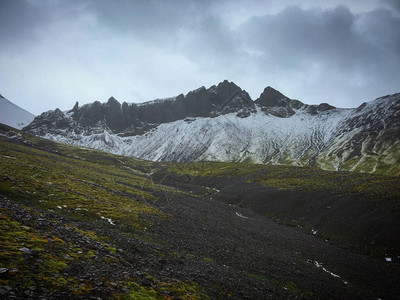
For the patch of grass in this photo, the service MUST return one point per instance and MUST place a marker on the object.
(273, 281)
(166, 290)
(291, 178)
(292, 287)
(78, 188)
(374, 186)
(183, 290)
(46, 262)
(219, 169)
(141, 293)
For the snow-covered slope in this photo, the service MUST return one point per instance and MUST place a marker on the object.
(368, 140)
(13, 115)
(274, 129)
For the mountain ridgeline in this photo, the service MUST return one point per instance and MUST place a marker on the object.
(222, 123)
(133, 119)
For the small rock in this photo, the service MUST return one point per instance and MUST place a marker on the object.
(29, 293)
(3, 271)
(13, 271)
(146, 282)
(4, 290)
(26, 251)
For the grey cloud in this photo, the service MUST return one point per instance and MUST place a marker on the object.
(152, 21)
(357, 52)
(17, 19)
(394, 3)
(23, 23)
(331, 53)
(296, 35)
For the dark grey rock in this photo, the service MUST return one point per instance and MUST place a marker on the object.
(3, 271)
(4, 289)
(26, 251)
(132, 119)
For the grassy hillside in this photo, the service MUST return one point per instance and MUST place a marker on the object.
(65, 188)
(379, 187)
(79, 223)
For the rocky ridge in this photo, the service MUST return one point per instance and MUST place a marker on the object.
(222, 123)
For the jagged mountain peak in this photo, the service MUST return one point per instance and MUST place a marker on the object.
(273, 102)
(270, 97)
(113, 101)
(223, 123)
(75, 108)
(227, 84)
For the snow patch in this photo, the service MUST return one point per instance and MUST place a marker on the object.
(6, 156)
(108, 219)
(156, 101)
(241, 216)
(319, 265)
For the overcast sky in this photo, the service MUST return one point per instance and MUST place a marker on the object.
(56, 52)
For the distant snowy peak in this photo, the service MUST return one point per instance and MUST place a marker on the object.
(222, 123)
(13, 115)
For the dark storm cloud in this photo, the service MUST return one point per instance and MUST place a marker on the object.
(394, 3)
(24, 24)
(321, 49)
(138, 50)
(358, 52)
(17, 19)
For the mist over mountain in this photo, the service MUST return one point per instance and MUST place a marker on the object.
(222, 123)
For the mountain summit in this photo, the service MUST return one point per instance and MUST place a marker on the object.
(222, 123)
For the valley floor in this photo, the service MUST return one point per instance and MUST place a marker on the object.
(231, 252)
(82, 224)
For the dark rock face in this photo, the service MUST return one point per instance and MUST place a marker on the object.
(275, 103)
(135, 119)
(50, 119)
(132, 119)
(272, 102)
(271, 97)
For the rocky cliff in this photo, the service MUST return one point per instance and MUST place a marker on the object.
(222, 123)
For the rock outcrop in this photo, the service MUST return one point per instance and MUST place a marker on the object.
(223, 123)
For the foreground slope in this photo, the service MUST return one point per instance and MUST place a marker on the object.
(79, 223)
(222, 123)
